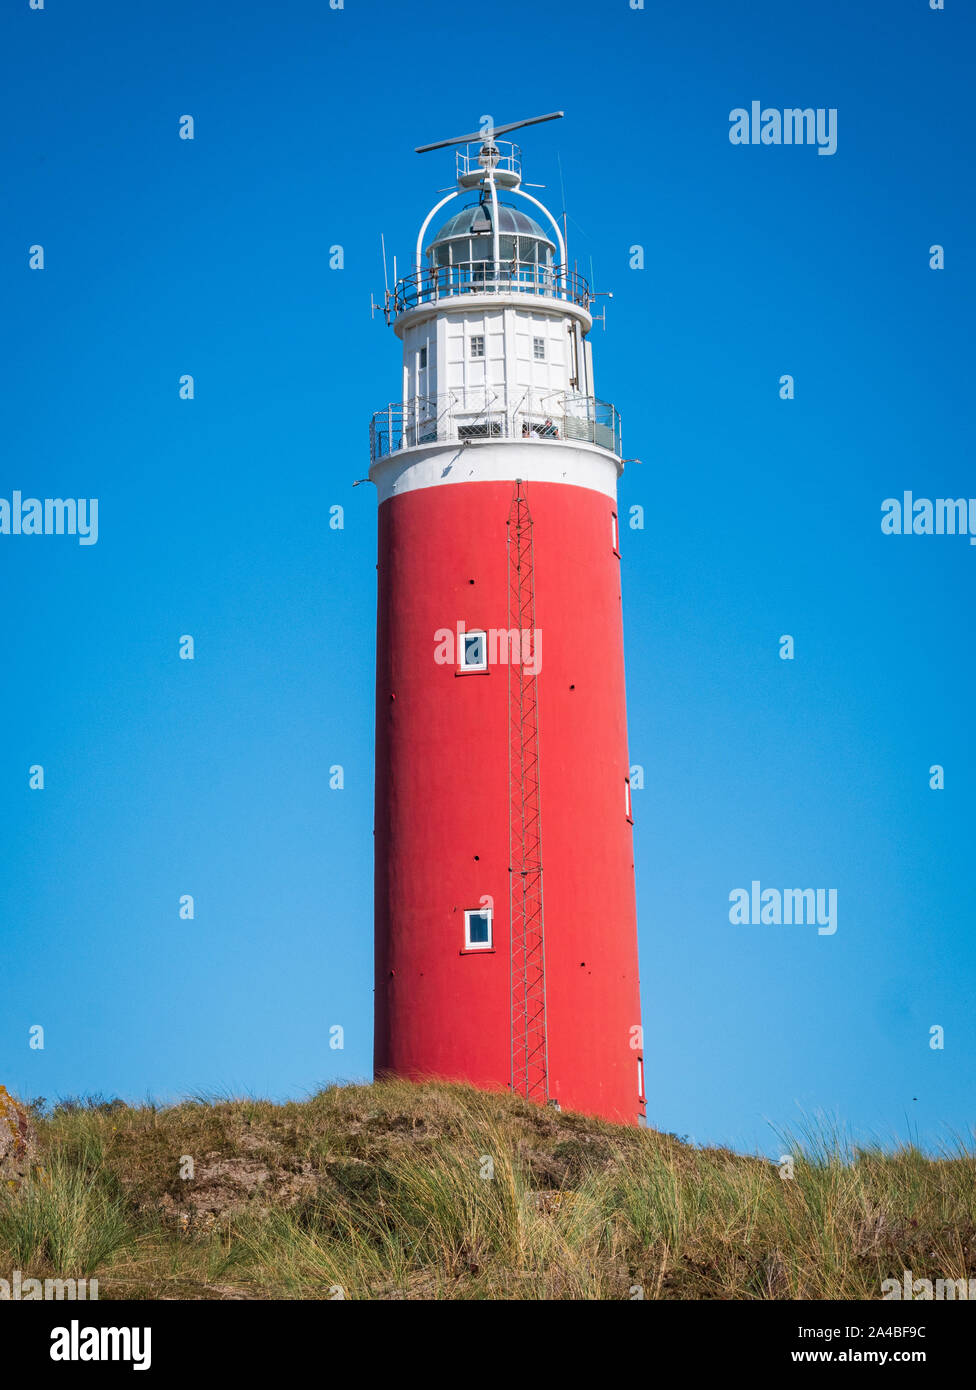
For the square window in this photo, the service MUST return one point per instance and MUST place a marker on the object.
(423, 358)
(477, 345)
(474, 651)
(539, 349)
(477, 930)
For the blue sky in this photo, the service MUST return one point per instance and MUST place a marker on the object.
(761, 518)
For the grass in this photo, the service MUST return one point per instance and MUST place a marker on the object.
(397, 1191)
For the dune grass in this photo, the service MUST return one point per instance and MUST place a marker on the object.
(437, 1191)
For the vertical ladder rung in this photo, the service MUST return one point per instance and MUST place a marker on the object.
(529, 1042)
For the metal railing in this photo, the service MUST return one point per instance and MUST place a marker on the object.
(486, 414)
(482, 277)
(508, 158)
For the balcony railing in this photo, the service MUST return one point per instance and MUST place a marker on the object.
(485, 414)
(507, 159)
(434, 283)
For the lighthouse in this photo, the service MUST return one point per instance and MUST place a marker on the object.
(505, 915)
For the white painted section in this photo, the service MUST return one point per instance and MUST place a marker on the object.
(553, 370)
(494, 461)
(522, 400)
(513, 337)
(420, 381)
(462, 371)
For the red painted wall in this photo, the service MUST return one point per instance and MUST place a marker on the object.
(442, 796)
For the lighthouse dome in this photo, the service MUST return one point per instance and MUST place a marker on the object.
(468, 236)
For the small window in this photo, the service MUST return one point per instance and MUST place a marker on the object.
(539, 349)
(627, 798)
(615, 540)
(640, 1079)
(423, 358)
(477, 929)
(474, 651)
(477, 345)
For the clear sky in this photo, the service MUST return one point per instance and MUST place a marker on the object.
(210, 777)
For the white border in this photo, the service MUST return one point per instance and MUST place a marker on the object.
(470, 945)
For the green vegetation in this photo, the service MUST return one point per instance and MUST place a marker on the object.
(440, 1191)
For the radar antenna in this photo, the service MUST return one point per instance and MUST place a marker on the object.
(488, 136)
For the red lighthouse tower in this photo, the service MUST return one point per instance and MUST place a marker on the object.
(506, 934)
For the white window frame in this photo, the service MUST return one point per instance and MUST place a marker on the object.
(470, 945)
(463, 663)
(422, 358)
(614, 534)
(476, 338)
(538, 356)
(641, 1095)
(627, 803)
